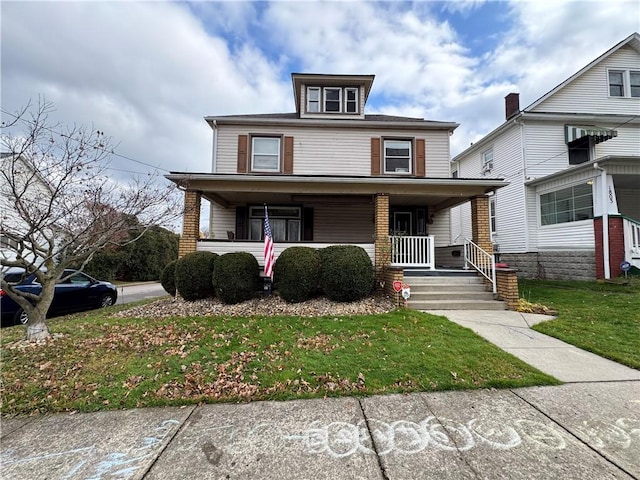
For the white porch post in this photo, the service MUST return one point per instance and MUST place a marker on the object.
(604, 205)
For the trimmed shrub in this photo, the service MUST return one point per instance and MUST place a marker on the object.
(168, 278)
(193, 275)
(347, 273)
(236, 277)
(297, 274)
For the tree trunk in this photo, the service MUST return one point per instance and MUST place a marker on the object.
(36, 327)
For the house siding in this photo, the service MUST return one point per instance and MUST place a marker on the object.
(590, 91)
(334, 151)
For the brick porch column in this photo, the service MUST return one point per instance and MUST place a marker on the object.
(480, 226)
(382, 243)
(190, 223)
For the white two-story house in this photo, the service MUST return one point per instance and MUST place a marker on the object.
(572, 161)
(330, 174)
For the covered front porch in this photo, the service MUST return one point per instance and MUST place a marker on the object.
(399, 221)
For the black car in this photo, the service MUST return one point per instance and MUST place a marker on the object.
(76, 292)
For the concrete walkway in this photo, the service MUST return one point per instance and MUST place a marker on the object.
(511, 331)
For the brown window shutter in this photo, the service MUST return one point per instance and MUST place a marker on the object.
(288, 156)
(375, 156)
(243, 140)
(420, 158)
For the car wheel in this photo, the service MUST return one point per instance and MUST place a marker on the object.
(21, 317)
(107, 300)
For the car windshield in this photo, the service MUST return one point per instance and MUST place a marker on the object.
(13, 277)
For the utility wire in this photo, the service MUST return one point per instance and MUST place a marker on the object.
(96, 146)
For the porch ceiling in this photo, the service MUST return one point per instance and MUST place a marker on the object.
(231, 189)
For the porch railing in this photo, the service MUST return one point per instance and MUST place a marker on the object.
(410, 251)
(481, 260)
(631, 229)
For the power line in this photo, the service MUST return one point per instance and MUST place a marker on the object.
(96, 146)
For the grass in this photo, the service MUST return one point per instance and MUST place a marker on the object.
(97, 362)
(603, 318)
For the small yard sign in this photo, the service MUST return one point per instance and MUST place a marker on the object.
(397, 286)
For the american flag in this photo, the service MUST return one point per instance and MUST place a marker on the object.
(268, 246)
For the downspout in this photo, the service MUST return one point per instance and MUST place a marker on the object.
(214, 154)
(523, 139)
(605, 220)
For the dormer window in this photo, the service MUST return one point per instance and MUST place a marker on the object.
(313, 99)
(332, 99)
(351, 100)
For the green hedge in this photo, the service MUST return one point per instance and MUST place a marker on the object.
(168, 278)
(236, 277)
(297, 274)
(347, 273)
(193, 275)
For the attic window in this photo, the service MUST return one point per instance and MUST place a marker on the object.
(332, 99)
(313, 99)
(351, 100)
(624, 83)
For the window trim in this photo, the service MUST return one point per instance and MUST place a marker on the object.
(252, 153)
(410, 159)
(573, 209)
(492, 215)
(486, 166)
(626, 82)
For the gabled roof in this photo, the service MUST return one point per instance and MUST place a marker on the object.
(28, 164)
(632, 41)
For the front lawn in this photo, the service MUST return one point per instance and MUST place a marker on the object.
(96, 362)
(603, 318)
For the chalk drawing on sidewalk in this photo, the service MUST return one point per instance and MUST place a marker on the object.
(620, 434)
(121, 464)
(341, 439)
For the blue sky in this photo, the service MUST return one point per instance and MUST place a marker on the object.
(146, 73)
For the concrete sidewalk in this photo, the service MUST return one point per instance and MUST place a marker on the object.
(574, 431)
(511, 332)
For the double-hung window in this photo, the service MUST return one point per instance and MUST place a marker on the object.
(567, 205)
(624, 83)
(351, 100)
(487, 161)
(397, 156)
(332, 99)
(265, 154)
(313, 99)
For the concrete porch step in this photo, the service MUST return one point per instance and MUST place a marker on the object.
(457, 305)
(452, 281)
(420, 296)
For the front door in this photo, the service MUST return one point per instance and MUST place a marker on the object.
(402, 223)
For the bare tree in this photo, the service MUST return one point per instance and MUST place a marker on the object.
(60, 206)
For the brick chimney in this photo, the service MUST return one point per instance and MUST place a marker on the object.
(511, 105)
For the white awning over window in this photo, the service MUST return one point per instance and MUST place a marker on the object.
(599, 134)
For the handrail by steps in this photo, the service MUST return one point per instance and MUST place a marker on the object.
(483, 261)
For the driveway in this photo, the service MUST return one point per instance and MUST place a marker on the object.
(141, 291)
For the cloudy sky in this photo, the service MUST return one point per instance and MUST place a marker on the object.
(146, 73)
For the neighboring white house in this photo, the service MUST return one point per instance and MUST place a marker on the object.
(572, 160)
(19, 173)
